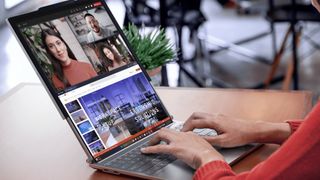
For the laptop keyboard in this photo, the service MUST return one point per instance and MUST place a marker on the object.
(135, 161)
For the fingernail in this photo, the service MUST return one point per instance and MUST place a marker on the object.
(143, 149)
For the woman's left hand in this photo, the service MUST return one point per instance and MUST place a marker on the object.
(186, 146)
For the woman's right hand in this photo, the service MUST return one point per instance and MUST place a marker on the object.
(234, 132)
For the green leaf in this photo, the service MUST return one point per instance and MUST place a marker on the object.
(153, 49)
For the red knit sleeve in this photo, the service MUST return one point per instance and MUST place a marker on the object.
(221, 169)
(294, 125)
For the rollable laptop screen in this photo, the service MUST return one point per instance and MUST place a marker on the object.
(83, 58)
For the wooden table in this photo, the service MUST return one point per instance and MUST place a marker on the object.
(35, 143)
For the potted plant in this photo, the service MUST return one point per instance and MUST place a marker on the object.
(153, 49)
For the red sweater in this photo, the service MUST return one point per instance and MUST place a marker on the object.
(75, 73)
(297, 158)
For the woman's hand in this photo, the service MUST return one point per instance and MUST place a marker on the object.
(234, 132)
(186, 146)
(231, 131)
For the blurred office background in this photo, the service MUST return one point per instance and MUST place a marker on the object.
(222, 46)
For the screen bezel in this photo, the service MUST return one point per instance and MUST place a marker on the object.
(67, 5)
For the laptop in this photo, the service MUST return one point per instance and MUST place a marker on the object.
(99, 87)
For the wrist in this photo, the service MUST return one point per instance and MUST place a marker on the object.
(268, 132)
(208, 156)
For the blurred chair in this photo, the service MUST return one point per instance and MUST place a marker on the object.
(177, 13)
(293, 13)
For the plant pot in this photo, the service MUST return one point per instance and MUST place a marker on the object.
(155, 75)
(154, 72)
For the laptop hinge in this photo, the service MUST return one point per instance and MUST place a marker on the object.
(55, 6)
(90, 161)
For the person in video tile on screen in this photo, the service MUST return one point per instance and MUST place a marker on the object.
(97, 31)
(110, 58)
(67, 70)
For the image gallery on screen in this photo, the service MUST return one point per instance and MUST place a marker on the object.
(113, 114)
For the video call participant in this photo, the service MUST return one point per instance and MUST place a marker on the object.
(110, 58)
(67, 70)
(97, 32)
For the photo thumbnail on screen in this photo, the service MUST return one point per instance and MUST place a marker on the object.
(85, 127)
(73, 106)
(78, 116)
(123, 109)
(96, 147)
(78, 47)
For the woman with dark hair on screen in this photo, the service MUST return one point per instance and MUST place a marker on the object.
(110, 58)
(67, 70)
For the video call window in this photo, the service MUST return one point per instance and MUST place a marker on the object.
(77, 47)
